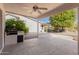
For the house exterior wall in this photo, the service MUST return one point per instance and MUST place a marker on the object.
(32, 25)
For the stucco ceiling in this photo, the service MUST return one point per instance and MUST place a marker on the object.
(25, 9)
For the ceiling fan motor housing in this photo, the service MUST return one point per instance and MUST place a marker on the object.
(35, 8)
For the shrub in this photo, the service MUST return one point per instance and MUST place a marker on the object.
(19, 25)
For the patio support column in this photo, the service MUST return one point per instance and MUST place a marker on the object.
(77, 18)
(48, 28)
(37, 28)
(1, 27)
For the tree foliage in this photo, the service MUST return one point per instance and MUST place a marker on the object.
(63, 20)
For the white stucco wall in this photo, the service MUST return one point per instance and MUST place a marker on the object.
(31, 24)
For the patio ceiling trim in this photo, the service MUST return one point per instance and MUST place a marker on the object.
(12, 14)
(61, 8)
(19, 14)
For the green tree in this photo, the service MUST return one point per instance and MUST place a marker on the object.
(63, 20)
(19, 25)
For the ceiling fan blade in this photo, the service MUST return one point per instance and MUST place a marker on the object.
(39, 12)
(43, 8)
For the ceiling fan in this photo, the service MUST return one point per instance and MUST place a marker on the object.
(37, 9)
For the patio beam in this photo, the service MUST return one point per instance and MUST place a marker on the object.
(2, 26)
(9, 12)
(77, 17)
(62, 7)
(37, 28)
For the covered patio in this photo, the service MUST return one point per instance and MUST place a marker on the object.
(45, 43)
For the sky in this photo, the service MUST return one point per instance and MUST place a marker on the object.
(44, 20)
